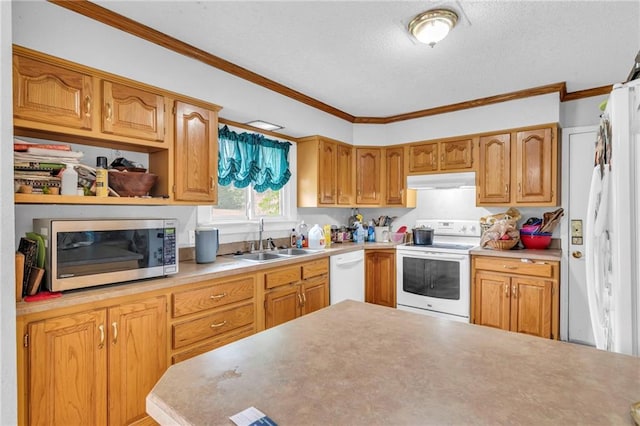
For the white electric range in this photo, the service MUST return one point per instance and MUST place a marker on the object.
(436, 279)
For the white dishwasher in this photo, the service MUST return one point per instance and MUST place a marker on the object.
(346, 277)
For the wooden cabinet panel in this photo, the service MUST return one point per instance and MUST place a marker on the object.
(315, 295)
(456, 155)
(196, 153)
(494, 171)
(52, 94)
(380, 277)
(394, 176)
(68, 370)
(492, 298)
(282, 305)
(128, 111)
(423, 157)
(137, 357)
(286, 275)
(369, 176)
(315, 268)
(214, 343)
(516, 297)
(327, 175)
(345, 180)
(531, 306)
(535, 166)
(213, 296)
(213, 324)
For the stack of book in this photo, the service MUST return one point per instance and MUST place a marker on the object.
(38, 165)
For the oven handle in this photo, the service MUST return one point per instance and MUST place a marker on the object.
(432, 255)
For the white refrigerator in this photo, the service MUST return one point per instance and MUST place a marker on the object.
(612, 228)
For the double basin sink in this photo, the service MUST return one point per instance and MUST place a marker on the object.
(268, 256)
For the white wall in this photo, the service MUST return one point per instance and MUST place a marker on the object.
(8, 390)
(582, 112)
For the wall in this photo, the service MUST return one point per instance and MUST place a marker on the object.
(8, 392)
(583, 112)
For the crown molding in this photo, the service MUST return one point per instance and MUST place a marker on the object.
(115, 20)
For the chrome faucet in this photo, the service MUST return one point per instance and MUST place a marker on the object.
(260, 230)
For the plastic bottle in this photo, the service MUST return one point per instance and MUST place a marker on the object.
(304, 234)
(371, 234)
(359, 233)
(327, 235)
(293, 237)
(69, 184)
(316, 237)
(102, 177)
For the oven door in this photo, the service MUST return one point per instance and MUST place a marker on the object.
(434, 281)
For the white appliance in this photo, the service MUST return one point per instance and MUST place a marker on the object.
(612, 229)
(436, 279)
(346, 277)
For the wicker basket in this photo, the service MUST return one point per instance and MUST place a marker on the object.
(502, 244)
(131, 184)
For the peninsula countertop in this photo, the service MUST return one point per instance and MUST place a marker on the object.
(356, 363)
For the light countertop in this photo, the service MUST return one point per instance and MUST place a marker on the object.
(355, 364)
(547, 254)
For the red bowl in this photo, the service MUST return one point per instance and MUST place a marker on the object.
(535, 241)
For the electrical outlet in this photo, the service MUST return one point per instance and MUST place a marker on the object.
(192, 237)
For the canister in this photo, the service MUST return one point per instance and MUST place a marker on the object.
(206, 244)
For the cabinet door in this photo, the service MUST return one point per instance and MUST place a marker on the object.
(380, 278)
(51, 94)
(535, 166)
(196, 164)
(492, 298)
(394, 176)
(327, 160)
(531, 306)
(346, 178)
(68, 370)
(128, 111)
(282, 305)
(456, 155)
(137, 356)
(494, 171)
(369, 176)
(315, 294)
(423, 157)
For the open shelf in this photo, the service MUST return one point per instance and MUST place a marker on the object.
(72, 199)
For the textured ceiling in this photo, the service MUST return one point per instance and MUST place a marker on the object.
(357, 56)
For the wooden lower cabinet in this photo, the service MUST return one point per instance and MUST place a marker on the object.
(293, 291)
(524, 300)
(97, 366)
(380, 277)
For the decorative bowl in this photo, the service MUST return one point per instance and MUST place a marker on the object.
(535, 241)
(131, 184)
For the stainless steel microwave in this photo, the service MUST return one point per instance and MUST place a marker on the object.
(82, 253)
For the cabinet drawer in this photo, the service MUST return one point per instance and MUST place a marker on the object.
(211, 325)
(212, 344)
(516, 266)
(282, 276)
(221, 294)
(315, 268)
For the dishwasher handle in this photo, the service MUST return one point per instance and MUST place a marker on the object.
(349, 262)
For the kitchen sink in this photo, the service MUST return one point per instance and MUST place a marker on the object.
(295, 252)
(261, 257)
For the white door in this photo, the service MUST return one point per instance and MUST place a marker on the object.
(581, 154)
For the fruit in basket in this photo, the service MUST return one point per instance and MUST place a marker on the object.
(505, 237)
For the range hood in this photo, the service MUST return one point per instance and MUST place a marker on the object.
(442, 180)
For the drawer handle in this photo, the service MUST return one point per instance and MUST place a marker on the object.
(87, 106)
(509, 267)
(304, 299)
(299, 299)
(506, 290)
(514, 290)
(115, 332)
(220, 324)
(101, 344)
(109, 112)
(217, 296)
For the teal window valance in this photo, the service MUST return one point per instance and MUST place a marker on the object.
(250, 158)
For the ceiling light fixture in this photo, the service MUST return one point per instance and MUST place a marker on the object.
(264, 125)
(433, 25)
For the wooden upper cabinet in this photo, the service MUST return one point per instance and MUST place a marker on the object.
(456, 155)
(196, 153)
(327, 162)
(67, 382)
(394, 176)
(47, 93)
(536, 166)
(369, 176)
(132, 112)
(345, 173)
(494, 170)
(423, 157)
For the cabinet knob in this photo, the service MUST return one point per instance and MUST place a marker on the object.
(506, 290)
(514, 291)
(87, 106)
(108, 111)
